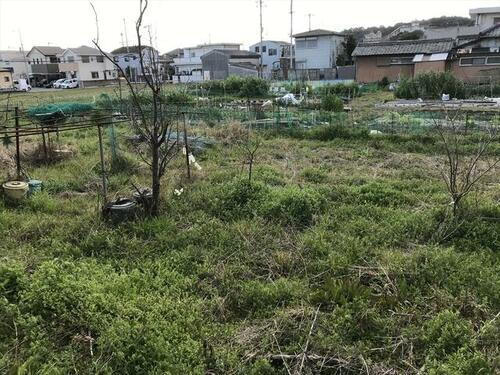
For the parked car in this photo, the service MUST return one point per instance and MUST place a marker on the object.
(57, 84)
(70, 84)
(49, 85)
(22, 85)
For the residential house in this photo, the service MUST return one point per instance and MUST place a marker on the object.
(167, 61)
(472, 58)
(6, 79)
(44, 63)
(128, 58)
(16, 60)
(88, 65)
(221, 63)
(272, 52)
(316, 52)
(397, 59)
(188, 65)
(486, 16)
(477, 58)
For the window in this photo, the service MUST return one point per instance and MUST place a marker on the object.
(264, 49)
(401, 60)
(496, 20)
(307, 43)
(53, 59)
(116, 59)
(493, 60)
(273, 52)
(469, 61)
(71, 59)
(127, 59)
(95, 74)
(257, 49)
(193, 54)
(6, 79)
(100, 59)
(37, 61)
(85, 59)
(300, 44)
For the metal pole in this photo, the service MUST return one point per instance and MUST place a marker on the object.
(261, 30)
(291, 39)
(18, 153)
(186, 146)
(101, 154)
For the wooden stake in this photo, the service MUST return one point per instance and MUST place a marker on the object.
(103, 172)
(18, 151)
(186, 146)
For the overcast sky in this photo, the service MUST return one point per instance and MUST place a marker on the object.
(182, 23)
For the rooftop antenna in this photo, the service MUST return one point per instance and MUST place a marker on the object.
(24, 58)
(126, 37)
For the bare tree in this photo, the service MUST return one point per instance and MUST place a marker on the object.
(249, 147)
(148, 112)
(464, 168)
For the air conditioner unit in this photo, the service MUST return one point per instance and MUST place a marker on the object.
(462, 51)
(494, 49)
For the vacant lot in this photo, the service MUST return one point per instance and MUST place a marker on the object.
(340, 257)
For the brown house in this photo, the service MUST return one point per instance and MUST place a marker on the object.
(398, 59)
(472, 58)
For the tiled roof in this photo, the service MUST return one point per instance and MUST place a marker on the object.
(130, 49)
(85, 50)
(317, 32)
(403, 47)
(235, 53)
(49, 50)
(493, 31)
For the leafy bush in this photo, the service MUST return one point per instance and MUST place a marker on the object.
(292, 206)
(341, 89)
(431, 85)
(332, 103)
(247, 87)
(315, 175)
(446, 333)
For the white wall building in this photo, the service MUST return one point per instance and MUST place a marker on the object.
(317, 49)
(88, 65)
(271, 51)
(188, 66)
(485, 17)
(16, 60)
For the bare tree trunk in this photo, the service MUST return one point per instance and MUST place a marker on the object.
(155, 181)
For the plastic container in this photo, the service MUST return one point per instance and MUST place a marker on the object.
(122, 209)
(15, 190)
(35, 186)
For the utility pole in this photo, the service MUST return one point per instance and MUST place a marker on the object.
(291, 38)
(126, 37)
(261, 31)
(310, 15)
(24, 58)
(121, 36)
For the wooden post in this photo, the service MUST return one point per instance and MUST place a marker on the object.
(186, 146)
(18, 151)
(103, 172)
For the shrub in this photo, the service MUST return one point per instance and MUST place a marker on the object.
(240, 198)
(332, 103)
(446, 333)
(430, 85)
(314, 175)
(345, 90)
(247, 87)
(292, 206)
